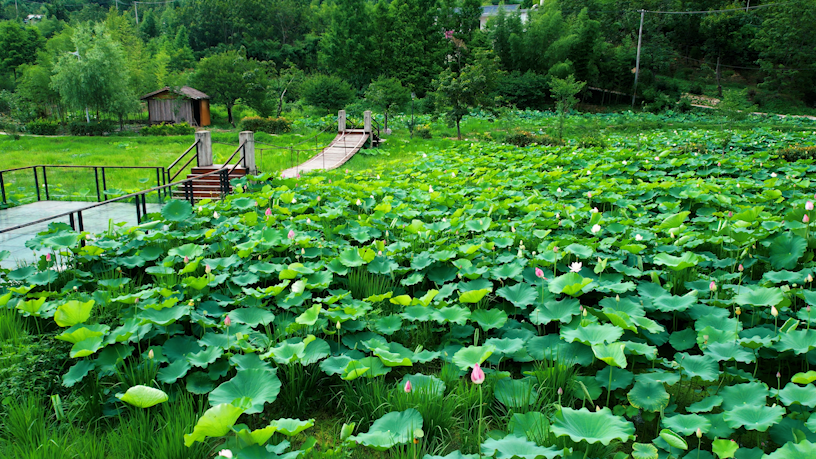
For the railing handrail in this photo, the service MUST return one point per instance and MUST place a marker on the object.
(120, 198)
(74, 166)
(183, 155)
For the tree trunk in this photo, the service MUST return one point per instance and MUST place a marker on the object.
(280, 102)
(458, 130)
(385, 129)
(229, 115)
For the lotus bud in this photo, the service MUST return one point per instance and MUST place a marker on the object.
(559, 189)
(737, 311)
(215, 214)
(712, 286)
(778, 375)
(407, 387)
(774, 311)
(318, 199)
(555, 249)
(597, 409)
(225, 453)
(430, 189)
(291, 234)
(560, 391)
(379, 253)
(512, 229)
(539, 273)
(186, 260)
(805, 219)
(584, 313)
(589, 193)
(809, 205)
(136, 300)
(730, 214)
(207, 269)
(150, 354)
(337, 325)
(268, 211)
(809, 278)
(76, 288)
(699, 433)
(638, 237)
(308, 221)
(740, 268)
(617, 297)
(477, 375)
(227, 321)
(359, 202)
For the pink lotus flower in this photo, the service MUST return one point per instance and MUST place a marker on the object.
(477, 375)
(407, 387)
(227, 321)
(48, 257)
(740, 268)
(774, 311)
(712, 286)
(589, 194)
(539, 273)
(207, 269)
(186, 260)
(291, 234)
(576, 266)
(268, 211)
(805, 219)
(809, 205)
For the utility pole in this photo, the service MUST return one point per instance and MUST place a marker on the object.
(136, 9)
(637, 59)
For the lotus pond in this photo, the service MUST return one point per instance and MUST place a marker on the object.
(648, 299)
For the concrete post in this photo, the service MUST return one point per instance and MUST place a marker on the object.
(367, 122)
(341, 121)
(247, 138)
(204, 148)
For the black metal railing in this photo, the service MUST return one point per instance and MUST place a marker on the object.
(100, 178)
(140, 198)
(186, 152)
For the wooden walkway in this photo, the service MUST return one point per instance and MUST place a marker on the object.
(342, 148)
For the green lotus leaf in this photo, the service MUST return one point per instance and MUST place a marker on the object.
(593, 334)
(621, 378)
(505, 346)
(683, 340)
(479, 225)
(562, 311)
(454, 455)
(216, 421)
(382, 265)
(786, 249)
(521, 294)
(473, 296)
(260, 386)
(467, 357)
(571, 284)
(489, 318)
(759, 296)
(687, 424)
(724, 449)
(593, 427)
(143, 396)
(424, 384)
(753, 417)
(199, 383)
(31, 307)
(644, 451)
(515, 393)
(78, 333)
(417, 313)
(581, 251)
(335, 365)
(291, 427)
(686, 260)
(673, 440)
(802, 395)
(388, 325)
(176, 210)
(612, 354)
(751, 393)
(512, 446)
(394, 428)
(187, 250)
(253, 437)
(77, 372)
(802, 450)
(251, 316)
(798, 341)
(351, 258)
(86, 347)
(705, 405)
(723, 352)
(508, 271)
(532, 425)
(804, 378)
(674, 220)
(166, 316)
(700, 366)
(21, 274)
(44, 277)
(452, 314)
(310, 316)
(671, 303)
(649, 396)
(173, 372)
(354, 369)
(73, 312)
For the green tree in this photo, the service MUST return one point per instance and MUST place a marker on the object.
(473, 86)
(18, 45)
(227, 77)
(95, 75)
(735, 106)
(327, 92)
(387, 94)
(417, 41)
(346, 47)
(564, 90)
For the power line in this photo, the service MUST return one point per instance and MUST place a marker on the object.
(730, 10)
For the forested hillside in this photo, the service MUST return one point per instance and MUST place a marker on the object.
(63, 58)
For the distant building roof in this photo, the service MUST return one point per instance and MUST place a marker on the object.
(184, 91)
(490, 10)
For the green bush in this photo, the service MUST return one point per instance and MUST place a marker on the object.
(43, 127)
(327, 92)
(524, 139)
(423, 131)
(168, 129)
(97, 128)
(797, 152)
(269, 125)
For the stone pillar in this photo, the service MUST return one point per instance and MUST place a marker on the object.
(341, 121)
(204, 148)
(367, 122)
(247, 138)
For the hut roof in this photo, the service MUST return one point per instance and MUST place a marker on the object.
(187, 91)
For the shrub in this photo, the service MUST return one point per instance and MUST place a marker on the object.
(269, 125)
(97, 128)
(43, 127)
(327, 92)
(523, 139)
(525, 90)
(696, 89)
(795, 153)
(423, 131)
(168, 129)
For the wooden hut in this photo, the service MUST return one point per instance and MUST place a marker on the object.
(176, 105)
